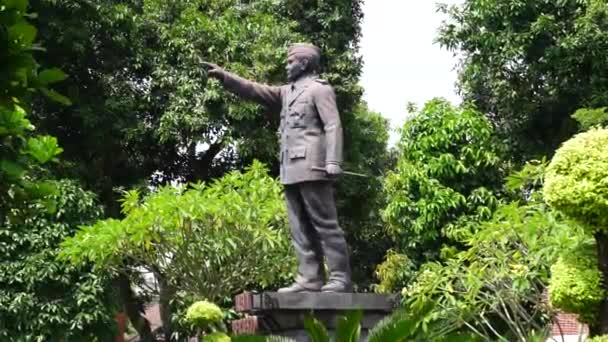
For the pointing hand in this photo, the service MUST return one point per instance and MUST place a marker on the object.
(213, 70)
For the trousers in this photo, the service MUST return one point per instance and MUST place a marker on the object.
(316, 234)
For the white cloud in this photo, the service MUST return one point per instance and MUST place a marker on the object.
(402, 63)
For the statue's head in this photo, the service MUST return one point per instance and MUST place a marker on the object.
(302, 59)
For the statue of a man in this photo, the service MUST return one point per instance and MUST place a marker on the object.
(311, 154)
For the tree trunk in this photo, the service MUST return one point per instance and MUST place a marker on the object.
(166, 293)
(601, 325)
(134, 309)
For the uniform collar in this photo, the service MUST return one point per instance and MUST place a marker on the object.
(302, 80)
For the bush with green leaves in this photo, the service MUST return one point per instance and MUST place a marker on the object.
(576, 282)
(495, 288)
(394, 273)
(577, 179)
(211, 240)
(448, 176)
(208, 320)
(399, 326)
(577, 185)
(203, 314)
(588, 118)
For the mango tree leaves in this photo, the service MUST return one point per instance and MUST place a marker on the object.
(448, 177)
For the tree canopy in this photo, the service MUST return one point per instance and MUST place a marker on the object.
(529, 65)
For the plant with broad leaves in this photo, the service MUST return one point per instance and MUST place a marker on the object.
(40, 298)
(21, 152)
(400, 326)
(212, 240)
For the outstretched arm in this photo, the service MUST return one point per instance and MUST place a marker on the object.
(268, 96)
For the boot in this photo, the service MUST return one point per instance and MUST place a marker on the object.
(296, 288)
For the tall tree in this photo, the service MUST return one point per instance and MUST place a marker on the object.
(530, 64)
(40, 298)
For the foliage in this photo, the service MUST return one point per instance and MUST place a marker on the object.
(40, 298)
(397, 327)
(577, 177)
(576, 282)
(203, 313)
(142, 103)
(21, 152)
(448, 177)
(528, 65)
(603, 338)
(588, 118)
(217, 337)
(210, 241)
(396, 272)
(528, 182)
(495, 288)
(145, 104)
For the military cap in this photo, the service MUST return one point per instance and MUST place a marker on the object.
(305, 49)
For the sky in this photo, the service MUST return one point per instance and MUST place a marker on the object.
(401, 62)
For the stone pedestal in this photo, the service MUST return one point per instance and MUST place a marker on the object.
(283, 314)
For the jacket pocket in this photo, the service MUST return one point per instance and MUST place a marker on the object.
(297, 152)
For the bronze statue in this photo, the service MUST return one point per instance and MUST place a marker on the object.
(311, 154)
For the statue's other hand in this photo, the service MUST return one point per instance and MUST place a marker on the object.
(214, 70)
(333, 169)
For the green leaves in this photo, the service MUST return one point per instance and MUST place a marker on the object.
(43, 148)
(223, 237)
(528, 65)
(494, 287)
(316, 330)
(41, 297)
(12, 169)
(348, 328)
(19, 5)
(53, 75)
(21, 35)
(13, 121)
(55, 96)
(447, 178)
(21, 154)
(576, 181)
(576, 282)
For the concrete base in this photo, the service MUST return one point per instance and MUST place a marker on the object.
(283, 314)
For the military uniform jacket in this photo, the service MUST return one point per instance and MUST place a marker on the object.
(310, 130)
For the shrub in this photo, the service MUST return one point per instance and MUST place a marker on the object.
(577, 179)
(394, 273)
(576, 282)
